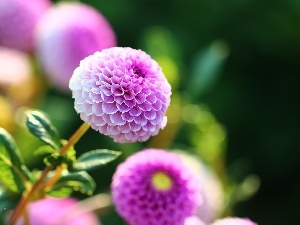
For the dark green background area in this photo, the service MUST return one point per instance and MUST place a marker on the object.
(257, 94)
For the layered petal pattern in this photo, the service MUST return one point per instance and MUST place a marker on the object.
(122, 93)
(154, 187)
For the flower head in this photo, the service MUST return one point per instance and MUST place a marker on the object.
(193, 220)
(154, 187)
(122, 93)
(234, 221)
(212, 190)
(18, 19)
(50, 211)
(68, 33)
(15, 66)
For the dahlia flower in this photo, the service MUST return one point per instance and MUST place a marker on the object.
(234, 221)
(122, 93)
(68, 33)
(212, 190)
(193, 220)
(51, 211)
(15, 66)
(18, 19)
(154, 187)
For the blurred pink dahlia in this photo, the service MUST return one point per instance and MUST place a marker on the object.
(193, 220)
(68, 33)
(122, 93)
(154, 187)
(54, 211)
(18, 19)
(212, 191)
(234, 221)
(15, 66)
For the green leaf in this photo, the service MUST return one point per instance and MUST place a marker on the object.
(77, 181)
(206, 68)
(94, 159)
(40, 126)
(61, 192)
(54, 159)
(13, 173)
(8, 200)
(44, 150)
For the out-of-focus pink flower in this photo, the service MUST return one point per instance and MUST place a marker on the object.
(15, 66)
(212, 191)
(122, 93)
(18, 19)
(56, 211)
(68, 33)
(234, 221)
(154, 187)
(193, 220)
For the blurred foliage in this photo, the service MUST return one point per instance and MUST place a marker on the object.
(234, 70)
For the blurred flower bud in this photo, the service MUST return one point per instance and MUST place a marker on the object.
(68, 33)
(18, 19)
(15, 66)
(212, 192)
(193, 220)
(234, 221)
(55, 211)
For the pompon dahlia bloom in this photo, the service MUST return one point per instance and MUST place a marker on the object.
(68, 33)
(234, 221)
(154, 187)
(52, 211)
(18, 19)
(122, 93)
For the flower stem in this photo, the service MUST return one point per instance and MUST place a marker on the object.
(50, 182)
(38, 185)
(75, 138)
(26, 197)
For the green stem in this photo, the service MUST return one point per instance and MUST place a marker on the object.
(75, 138)
(26, 197)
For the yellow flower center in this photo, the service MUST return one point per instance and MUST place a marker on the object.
(161, 181)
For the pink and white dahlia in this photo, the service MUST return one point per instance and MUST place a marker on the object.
(154, 187)
(122, 93)
(234, 221)
(51, 211)
(68, 33)
(18, 19)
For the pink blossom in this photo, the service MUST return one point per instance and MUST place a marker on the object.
(18, 19)
(154, 187)
(52, 211)
(122, 93)
(212, 190)
(68, 33)
(15, 66)
(193, 220)
(234, 221)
